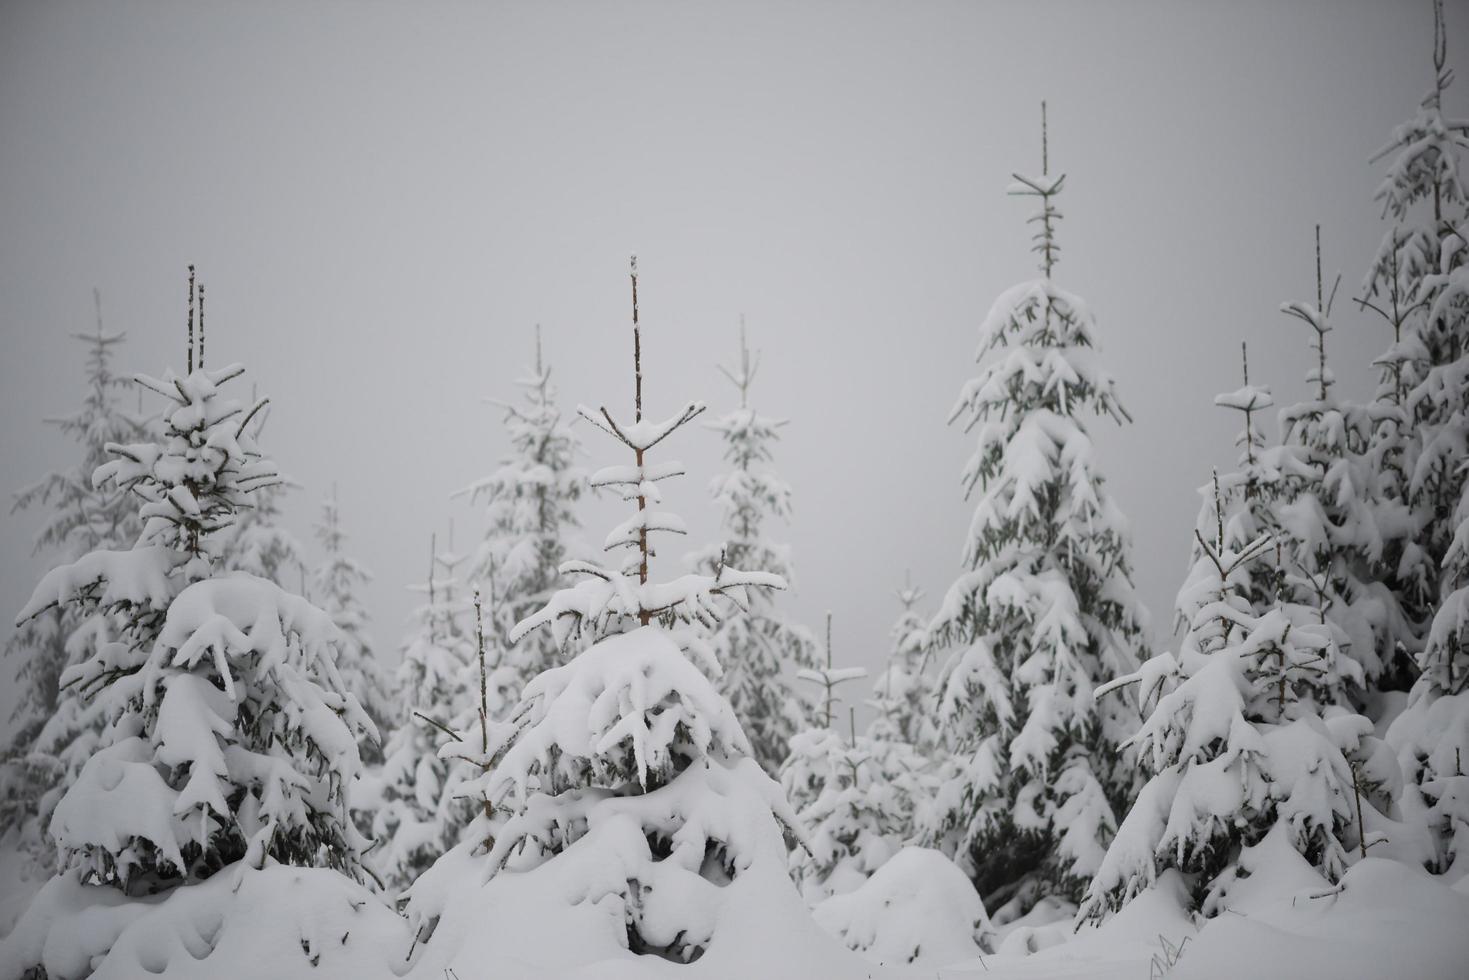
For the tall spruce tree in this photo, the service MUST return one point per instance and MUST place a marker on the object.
(1422, 257)
(1044, 610)
(230, 737)
(54, 730)
(760, 651)
(335, 585)
(1327, 512)
(904, 695)
(530, 510)
(1424, 195)
(423, 807)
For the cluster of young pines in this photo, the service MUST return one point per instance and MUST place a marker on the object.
(194, 698)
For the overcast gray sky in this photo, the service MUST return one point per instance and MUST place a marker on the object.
(385, 198)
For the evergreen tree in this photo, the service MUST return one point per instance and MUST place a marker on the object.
(54, 731)
(1427, 259)
(627, 758)
(904, 694)
(1251, 493)
(1327, 513)
(1423, 193)
(1044, 610)
(529, 506)
(230, 737)
(335, 585)
(854, 796)
(422, 805)
(759, 651)
(1248, 754)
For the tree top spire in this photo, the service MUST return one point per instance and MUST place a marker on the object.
(744, 376)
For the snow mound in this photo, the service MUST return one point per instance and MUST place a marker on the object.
(1384, 919)
(918, 908)
(279, 922)
(693, 870)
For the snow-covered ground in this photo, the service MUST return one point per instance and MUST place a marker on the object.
(1383, 920)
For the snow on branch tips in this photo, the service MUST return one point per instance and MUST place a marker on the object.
(607, 600)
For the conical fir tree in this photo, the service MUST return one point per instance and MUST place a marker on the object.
(759, 651)
(1250, 759)
(1044, 610)
(530, 514)
(853, 794)
(423, 805)
(1425, 253)
(230, 738)
(1423, 258)
(1251, 493)
(335, 585)
(55, 731)
(904, 694)
(1327, 515)
(628, 758)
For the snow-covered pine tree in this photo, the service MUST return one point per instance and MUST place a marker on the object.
(1250, 494)
(625, 771)
(335, 585)
(230, 737)
(853, 794)
(1423, 257)
(1404, 567)
(1427, 258)
(1327, 512)
(421, 806)
(530, 514)
(759, 651)
(1044, 610)
(54, 730)
(1245, 746)
(904, 695)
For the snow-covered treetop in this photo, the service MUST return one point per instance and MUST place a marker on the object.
(610, 599)
(335, 585)
(1425, 150)
(904, 697)
(1317, 318)
(1247, 400)
(750, 491)
(528, 503)
(85, 517)
(1046, 188)
(196, 479)
(829, 678)
(193, 481)
(760, 649)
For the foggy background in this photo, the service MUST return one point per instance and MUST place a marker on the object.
(384, 200)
